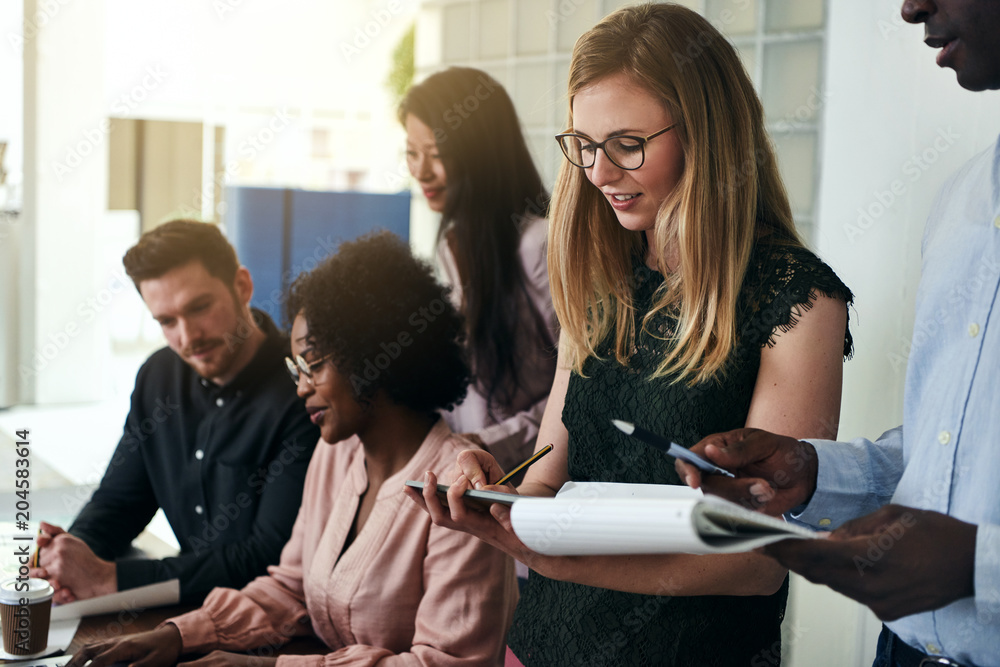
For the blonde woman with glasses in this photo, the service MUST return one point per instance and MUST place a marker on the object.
(688, 305)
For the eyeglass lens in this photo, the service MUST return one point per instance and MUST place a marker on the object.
(293, 370)
(625, 152)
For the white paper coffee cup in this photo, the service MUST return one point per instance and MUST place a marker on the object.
(25, 608)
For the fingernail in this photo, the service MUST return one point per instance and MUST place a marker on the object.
(479, 484)
(762, 493)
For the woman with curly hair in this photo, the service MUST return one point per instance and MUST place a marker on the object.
(465, 148)
(375, 343)
(689, 306)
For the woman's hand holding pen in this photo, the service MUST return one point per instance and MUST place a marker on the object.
(473, 470)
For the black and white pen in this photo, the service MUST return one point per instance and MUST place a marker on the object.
(671, 448)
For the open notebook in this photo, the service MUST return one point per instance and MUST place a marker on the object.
(603, 518)
(594, 518)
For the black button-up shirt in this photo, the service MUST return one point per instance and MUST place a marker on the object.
(226, 464)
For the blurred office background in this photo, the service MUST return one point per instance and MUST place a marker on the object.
(119, 114)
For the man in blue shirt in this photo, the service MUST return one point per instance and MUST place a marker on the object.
(929, 563)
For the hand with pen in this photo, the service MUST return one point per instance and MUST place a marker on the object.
(774, 473)
(474, 469)
(71, 567)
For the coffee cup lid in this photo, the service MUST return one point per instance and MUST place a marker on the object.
(12, 591)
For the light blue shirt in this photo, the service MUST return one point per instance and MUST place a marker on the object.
(946, 455)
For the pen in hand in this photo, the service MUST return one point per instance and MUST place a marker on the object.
(527, 462)
(36, 559)
(671, 448)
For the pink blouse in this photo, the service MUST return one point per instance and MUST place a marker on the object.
(405, 592)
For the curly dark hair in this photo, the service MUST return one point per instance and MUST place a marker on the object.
(386, 321)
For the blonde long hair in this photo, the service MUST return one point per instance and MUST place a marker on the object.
(729, 195)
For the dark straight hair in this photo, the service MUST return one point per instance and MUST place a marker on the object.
(492, 187)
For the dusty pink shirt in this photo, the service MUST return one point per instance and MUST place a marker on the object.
(405, 592)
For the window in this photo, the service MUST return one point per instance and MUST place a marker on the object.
(526, 45)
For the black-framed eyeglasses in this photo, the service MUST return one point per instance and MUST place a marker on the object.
(306, 368)
(625, 151)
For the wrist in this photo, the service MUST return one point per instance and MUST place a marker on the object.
(169, 636)
(109, 582)
(968, 534)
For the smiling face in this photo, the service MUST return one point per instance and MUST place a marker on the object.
(968, 34)
(203, 319)
(424, 162)
(328, 396)
(613, 106)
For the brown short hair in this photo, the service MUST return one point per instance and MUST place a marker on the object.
(179, 242)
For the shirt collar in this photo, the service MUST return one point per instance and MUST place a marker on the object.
(270, 353)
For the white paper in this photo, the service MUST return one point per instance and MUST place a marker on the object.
(134, 599)
(615, 519)
(620, 490)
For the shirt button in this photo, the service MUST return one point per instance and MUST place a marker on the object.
(204, 382)
(198, 509)
(825, 522)
(944, 437)
(219, 402)
(973, 330)
(199, 455)
(931, 648)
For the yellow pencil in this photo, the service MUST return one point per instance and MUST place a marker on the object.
(38, 553)
(534, 457)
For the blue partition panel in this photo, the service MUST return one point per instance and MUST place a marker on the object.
(278, 233)
(255, 227)
(322, 220)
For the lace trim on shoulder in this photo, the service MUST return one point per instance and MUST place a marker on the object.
(784, 282)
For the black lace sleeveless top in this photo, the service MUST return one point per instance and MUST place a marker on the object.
(558, 624)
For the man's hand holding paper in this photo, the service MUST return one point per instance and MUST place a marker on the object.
(871, 560)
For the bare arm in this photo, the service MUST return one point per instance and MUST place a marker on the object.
(547, 476)
(800, 378)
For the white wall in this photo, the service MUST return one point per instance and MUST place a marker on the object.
(248, 66)
(63, 348)
(11, 89)
(892, 118)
